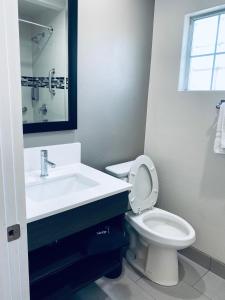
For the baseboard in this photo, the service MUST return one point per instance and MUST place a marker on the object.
(206, 261)
(197, 256)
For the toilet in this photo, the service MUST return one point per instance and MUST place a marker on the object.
(155, 234)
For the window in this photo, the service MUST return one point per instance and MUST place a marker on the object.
(205, 53)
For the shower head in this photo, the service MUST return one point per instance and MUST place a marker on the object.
(38, 37)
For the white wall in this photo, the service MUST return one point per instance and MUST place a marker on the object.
(180, 133)
(114, 50)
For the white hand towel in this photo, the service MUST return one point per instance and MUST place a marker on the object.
(219, 145)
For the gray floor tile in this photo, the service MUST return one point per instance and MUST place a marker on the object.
(130, 272)
(92, 292)
(212, 285)
(123, 289)
(182, 291)
(189, 271)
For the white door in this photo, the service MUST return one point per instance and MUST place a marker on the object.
(14, 281)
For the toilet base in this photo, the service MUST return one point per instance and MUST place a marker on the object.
(162, 265)
(159, 264)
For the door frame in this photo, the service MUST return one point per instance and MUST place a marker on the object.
(14, 275)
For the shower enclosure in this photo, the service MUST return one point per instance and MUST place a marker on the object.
(44, 61)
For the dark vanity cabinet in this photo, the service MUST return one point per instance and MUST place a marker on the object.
(69, 250)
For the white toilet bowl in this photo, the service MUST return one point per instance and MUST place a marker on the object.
(155, 234)
(164, 233)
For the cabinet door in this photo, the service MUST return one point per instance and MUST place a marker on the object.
(47, 230)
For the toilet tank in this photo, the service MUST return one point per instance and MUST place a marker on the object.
(120, 171)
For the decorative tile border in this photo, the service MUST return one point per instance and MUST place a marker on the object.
(43, 82)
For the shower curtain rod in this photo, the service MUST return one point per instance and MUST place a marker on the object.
(36, 24)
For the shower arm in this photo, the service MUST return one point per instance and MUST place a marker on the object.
(50, 28)
(51, 74)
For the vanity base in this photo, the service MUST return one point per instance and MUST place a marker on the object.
(67, 283)
(65, 265)
(116, 272)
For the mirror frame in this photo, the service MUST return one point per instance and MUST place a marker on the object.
(72, 79)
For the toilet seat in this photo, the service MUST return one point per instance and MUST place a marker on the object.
(163, 228)
(145, 186)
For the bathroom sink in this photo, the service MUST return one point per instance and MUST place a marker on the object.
(55, 188)
(71, 184)
(67, 188)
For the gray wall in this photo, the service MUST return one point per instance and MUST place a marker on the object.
(114, 48)
(180, 133)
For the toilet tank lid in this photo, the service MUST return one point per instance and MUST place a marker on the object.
(120, 170)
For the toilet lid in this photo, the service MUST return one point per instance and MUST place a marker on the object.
(144, 180)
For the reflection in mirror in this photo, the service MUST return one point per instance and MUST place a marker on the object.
(43, 29)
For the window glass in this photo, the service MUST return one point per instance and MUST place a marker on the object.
(205, 58)
(204, 36)
(219, 73)
(200, 73)
(221, 35)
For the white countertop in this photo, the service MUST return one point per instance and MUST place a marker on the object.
(106, 186)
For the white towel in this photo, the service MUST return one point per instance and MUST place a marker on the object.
(219, 144)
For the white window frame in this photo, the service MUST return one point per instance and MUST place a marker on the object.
(187, 47)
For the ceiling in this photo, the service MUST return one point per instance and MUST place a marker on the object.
(33, 9)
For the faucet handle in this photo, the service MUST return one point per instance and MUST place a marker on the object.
(44, 153)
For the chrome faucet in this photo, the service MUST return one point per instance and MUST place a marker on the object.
(45, 163)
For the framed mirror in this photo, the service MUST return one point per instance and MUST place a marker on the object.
(48, 51)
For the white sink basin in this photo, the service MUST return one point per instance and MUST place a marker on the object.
(70, 185)
(51, 189)
(66, 188)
